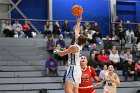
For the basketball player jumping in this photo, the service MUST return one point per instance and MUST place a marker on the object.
(73, 75)
(88, 73)
(112, 80)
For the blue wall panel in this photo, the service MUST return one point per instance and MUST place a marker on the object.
(138, 12)
(129, 10)
(33, 9)
(94, 10)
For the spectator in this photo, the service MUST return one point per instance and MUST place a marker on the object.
(65, 29)
(95, 27)
(139, 47)
(89, 35)
(103, 72)
(122, 56)
(7, 29)
(137, 34)
(86, 46)
(121, 33)
(130, 37)
(137, 68)
(52, 65)
(116, 25)
(96, 36)
(26, 29)
(115, 59)
(47, 30)
(107, 45)
(50, 45)
(92, 61)
(56, 29)
(129, 70)
(86, 26)
(94, 50)
(128, 55)
(18, 29)
(113, 48)
(61, 41)
(103, 58)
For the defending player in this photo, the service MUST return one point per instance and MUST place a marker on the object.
(88, 73)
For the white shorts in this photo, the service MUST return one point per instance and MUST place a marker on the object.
(110, 90)
(74, 74)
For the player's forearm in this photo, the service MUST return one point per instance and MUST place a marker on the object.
(96, 79)
(64, 52)
(116, 81)
(77, 29)
(102, 81)
(61, 53)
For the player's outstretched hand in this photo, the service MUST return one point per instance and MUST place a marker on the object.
(98, 84)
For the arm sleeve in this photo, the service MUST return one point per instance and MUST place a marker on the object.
(20, 27)
(46, 64)
(56, 64)
(94, 75)
(110, 57)
(99, 58)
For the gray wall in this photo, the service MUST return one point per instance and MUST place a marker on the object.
(4, 7)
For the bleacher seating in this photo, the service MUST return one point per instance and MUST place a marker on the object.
(22, 62)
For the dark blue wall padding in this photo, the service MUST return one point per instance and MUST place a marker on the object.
(128, 10)
(138, 12)
(33, 9)
(94, 10)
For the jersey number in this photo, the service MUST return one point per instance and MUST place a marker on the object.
(109, 84)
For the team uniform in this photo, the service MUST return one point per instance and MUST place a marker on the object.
(86, 85)
(110, 85)
(74, 72)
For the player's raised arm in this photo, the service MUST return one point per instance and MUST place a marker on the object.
(77, 26)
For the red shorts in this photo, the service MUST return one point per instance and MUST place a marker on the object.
(87, 90)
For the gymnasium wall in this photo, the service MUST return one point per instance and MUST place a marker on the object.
(33, 9)
(128, 10)
(94, 10)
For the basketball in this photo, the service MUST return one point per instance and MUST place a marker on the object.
(77, 10)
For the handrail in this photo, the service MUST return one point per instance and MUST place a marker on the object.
(40, 20)
(125, 23)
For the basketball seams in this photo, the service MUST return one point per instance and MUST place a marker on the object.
(77, 10)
